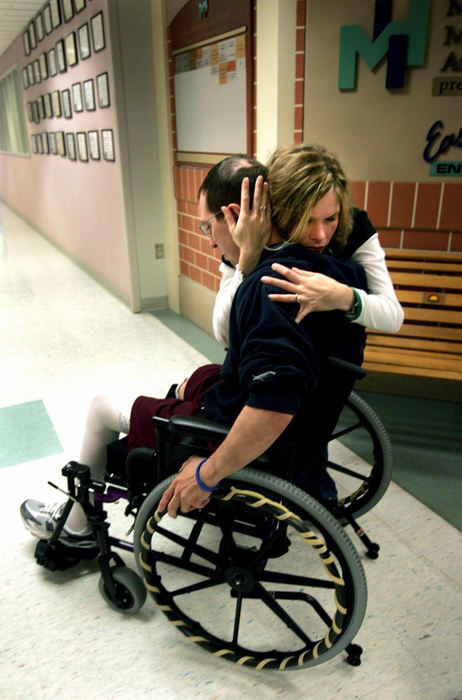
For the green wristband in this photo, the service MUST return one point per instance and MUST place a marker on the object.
(357, 307)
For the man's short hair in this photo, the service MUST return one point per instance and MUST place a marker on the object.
(222, 184)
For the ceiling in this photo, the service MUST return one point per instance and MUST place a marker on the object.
(14, 16)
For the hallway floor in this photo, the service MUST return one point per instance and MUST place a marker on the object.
(64, 339)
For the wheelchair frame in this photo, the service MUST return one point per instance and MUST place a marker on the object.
(257, 523)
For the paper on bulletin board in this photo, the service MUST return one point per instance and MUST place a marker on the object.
(211, 106)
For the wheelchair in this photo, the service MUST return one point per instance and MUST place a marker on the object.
(264, 575)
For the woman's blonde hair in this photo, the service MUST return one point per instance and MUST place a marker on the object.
(298, 177)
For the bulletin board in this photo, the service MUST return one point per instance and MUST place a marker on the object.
(211, 97)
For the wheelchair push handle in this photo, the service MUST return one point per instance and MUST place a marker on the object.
(349, 367)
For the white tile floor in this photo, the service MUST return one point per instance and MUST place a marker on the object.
(63, 339)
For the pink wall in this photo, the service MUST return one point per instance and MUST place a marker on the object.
(77, 204)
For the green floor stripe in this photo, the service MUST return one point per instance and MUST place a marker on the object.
(27, 433)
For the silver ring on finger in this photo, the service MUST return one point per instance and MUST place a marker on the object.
(298, 298)
(262, 208)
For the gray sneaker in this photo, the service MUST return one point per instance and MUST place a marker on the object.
(41, 520)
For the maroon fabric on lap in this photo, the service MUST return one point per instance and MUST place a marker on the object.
(142, 433)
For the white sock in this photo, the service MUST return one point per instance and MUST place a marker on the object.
(105, 422)
(77, 520)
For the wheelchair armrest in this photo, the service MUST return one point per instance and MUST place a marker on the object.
(198, 426)
(197, 434)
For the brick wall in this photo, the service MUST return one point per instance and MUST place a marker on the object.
(198, 260)
(414, 215)
(300, 71)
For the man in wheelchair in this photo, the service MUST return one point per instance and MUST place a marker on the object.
(278, 383)
(280, 391)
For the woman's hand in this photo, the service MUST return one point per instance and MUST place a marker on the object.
(312, 290)
(251, 229)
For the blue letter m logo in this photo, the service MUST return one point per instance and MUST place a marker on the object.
(403, 41)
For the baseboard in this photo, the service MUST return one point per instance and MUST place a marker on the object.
(413, 386)
(154, 303)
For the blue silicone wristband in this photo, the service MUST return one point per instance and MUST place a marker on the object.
(199, 482)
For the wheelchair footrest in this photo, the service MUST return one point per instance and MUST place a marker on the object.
(56, 556)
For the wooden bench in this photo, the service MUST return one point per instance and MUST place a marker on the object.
(429, 344)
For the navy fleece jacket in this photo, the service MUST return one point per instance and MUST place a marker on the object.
(274, 363)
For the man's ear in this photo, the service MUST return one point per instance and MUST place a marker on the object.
(235, 210)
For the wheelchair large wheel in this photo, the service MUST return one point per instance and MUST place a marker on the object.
(263, 575)
(362, 475)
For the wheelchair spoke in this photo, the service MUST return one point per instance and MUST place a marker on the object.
(228, 544)
(287, 595)
(192, 547)
(346, 431)
(294, 595)
(279, 611)
(279, 577)
(179, 563)
(237, 618)
(192, 539)
(202, 585)
(345, 470)
(268, 546)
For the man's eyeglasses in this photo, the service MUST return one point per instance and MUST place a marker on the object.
(205, 227)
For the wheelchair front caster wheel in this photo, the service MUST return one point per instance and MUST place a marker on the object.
(354, 652)
(130, 593)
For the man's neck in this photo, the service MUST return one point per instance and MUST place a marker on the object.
(248, 259)
(275, 237)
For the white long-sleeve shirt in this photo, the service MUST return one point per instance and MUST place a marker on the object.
(381, 309)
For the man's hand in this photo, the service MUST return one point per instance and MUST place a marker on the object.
(311, 290)
(252, 229)
(184, 493)
(252, 433)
